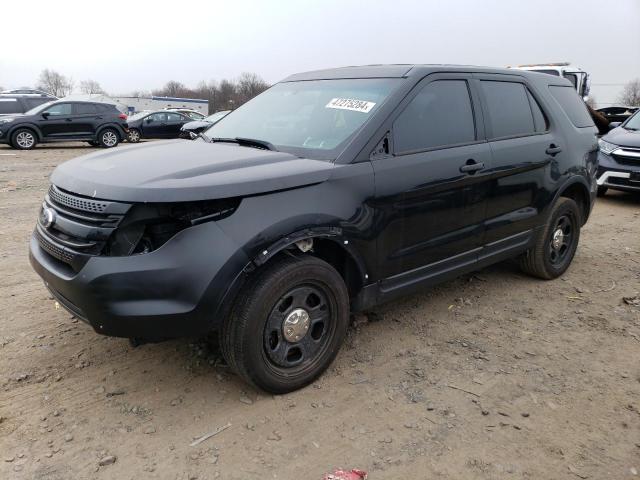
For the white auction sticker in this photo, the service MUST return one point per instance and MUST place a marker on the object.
(351, 104)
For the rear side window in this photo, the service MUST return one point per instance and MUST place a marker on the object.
(508, 108)
(572, 105)
(10, 105)
(440, 115)
(85, 108)
(34, 102)
(539, 119)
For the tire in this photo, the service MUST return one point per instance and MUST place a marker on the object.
(93, 144)
(108, 138)
(270, 340)
(24, 139)
(134, 135)
(602, 191)
(553, 252)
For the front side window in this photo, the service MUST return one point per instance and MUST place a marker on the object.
(313, 119)
(440, 115)
(157, 117)
(59, 109)
(508, 108)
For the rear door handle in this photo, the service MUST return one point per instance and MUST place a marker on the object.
(471, 166)
(553, 150)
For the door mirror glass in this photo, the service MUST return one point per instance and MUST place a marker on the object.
(45, 115)
(613, 125)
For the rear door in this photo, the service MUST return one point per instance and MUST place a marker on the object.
(56, 121)
(432, 189)
(523, 149)
(85, 119)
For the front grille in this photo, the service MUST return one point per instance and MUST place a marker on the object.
(627, 155)
(78, 227)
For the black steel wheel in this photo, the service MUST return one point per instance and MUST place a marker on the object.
(556, 244)
(287, 325)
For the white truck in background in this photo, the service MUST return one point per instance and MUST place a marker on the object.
(578, 77)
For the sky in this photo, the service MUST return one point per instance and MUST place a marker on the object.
(137, 45)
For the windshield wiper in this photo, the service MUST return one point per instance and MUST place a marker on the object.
(248, 142)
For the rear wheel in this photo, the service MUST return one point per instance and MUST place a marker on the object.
(24, 139)
(557, 243)
(134, 135)
(287, 324)
(108, 138)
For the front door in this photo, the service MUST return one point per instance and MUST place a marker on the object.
(432, 189)
(56, 121)
(155, 126)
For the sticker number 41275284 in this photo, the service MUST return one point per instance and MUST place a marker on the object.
(351, 104)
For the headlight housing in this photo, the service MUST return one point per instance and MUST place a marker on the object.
(606, 147)
(6, 120)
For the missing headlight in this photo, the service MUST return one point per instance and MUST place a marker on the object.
(147, 227)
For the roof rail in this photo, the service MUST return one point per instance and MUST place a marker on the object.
(556, 64)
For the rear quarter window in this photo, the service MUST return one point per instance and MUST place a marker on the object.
(572, 105)
(10, 105)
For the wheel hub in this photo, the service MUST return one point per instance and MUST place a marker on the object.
(296, 325)
(558, 239)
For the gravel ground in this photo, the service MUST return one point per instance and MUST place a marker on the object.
(493, 375)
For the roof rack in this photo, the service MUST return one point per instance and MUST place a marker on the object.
(556, 64)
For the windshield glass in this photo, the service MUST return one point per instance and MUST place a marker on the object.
(39, 108)
(312, 119)
(634, 122)
(216, 116)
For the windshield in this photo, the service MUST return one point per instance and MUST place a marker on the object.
(313, 119)
(216, 116)
(39, 108)
(634, 122)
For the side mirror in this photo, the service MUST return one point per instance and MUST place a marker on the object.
(613, 125)
(45, 115)
(149, 120)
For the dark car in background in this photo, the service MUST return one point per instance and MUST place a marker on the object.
(617, 113)
(160, 124)
(332, 191)
(619, 157)
(192, 129)
(20, 103)
(99, 124)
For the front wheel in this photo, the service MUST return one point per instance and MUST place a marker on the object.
(108, 138)
(287, 324)
(23, 139)
(134, 135)
(556, 244)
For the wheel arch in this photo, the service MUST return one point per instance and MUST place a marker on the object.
(115, 127)
(28, 126)
(577, 189)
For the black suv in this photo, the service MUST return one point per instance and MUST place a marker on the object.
(100, 124)
(331, 192)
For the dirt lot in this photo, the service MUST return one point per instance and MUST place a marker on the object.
(494, 375)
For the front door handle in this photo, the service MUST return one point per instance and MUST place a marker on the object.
(471, 167)
(553, 150)
(68, 120)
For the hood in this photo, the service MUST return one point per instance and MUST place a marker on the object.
(196, 124)
(185, 170)
(623, 137)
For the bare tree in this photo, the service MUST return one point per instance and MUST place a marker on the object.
(55, 83)
(90, 87)
(631, 94)
(249, 85)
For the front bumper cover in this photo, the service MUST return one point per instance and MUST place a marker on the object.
(177, 290)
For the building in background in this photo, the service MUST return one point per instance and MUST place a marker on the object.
(140, 104)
